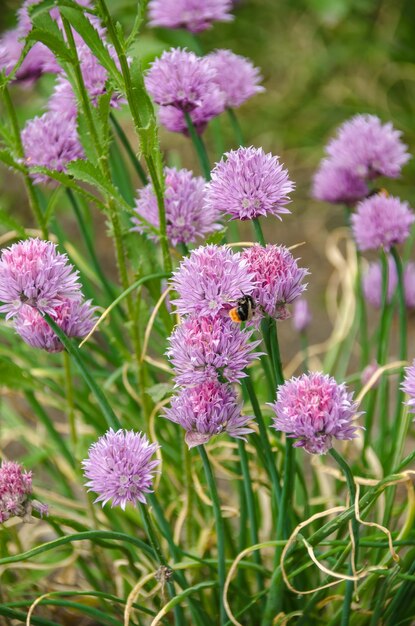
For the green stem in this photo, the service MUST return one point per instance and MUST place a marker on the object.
(199, 146)
(250, 501)
(275, 349)
(70, 400)
(258, 231)
(111, 418)
(127, 146)
(403, 339)
(34, 203)
(219, 530)
(236, 127)
(362, 315)
(347, 603)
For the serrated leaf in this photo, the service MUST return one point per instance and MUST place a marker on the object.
(216, 238)
(46, 30)
(68, 181)
(159, 391)
(7, 159)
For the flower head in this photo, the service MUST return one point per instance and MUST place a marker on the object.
(409, 285)
(119, 467)
(15, 492)
(186, 217)
(301, 315)
(206, 410)
(336, 184)
(381, 221)
(210, 281)
(34, 273)
(408, 386)
(368, 148)
(194, 15)
(279, 280)
(206, 348)
(180, 79)
(76, 319)
(314, 408)
(236, 77)
(50, 141)
(248, 183)
(174, 120)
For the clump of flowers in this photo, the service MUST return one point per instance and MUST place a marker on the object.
(34, 273)
(119, 467)
(368, 148)
(194, 15)
(314, 409)
(206, 410)
(337, 184)
(381, 221)
(187, 219)
(247, 184)
(301, 315)
(76, 319)
(51, 141)
(206, 348)
(279, 280)
(15, 493)
(236, 77)
(210, 281)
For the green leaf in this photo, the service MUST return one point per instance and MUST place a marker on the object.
(14, 377)
(46, 30)
(159, 391)
(68, 181)
(7, 158)
(216, 238)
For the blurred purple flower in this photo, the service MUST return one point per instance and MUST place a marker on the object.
(174, 120)
(336, 184)
(50, 141)
(194, 15)
(301, 315)
(187, 218)
(33, 66)
(236, 77)
(34, 273)
(76, 319)
(313, 409)
(279, 280)
(408, 386)
(210, 281)
(409, 285)
(368, 148)
(206, 348)
(206, 410)
(248, 183)
(368, 372)
(15, 492)
(372, 282)
(381, 221)
(119, 467)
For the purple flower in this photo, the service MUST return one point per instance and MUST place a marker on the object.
(15, 492)
(194, 15)
(368, 148)
(119, 467)
(210, 349)
(206, 410)
(33, 66)
(301, 315)
(408, 386)
(180, 79)
(372, 282)
(336, 184)
(313, 409)
(210, 281)
(381, 221)
(279, 280)
(174, 120)
(76, 319)
(50, 141)
(249, 183)
(187, 219)
(34, 273)
(236, 77)
(409, 285)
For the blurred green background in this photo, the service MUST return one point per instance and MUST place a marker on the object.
(322, 62)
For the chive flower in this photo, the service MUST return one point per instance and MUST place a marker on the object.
(236, 77)
(193, 15)
(15, 493)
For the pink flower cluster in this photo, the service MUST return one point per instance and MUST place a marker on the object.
(15, 493)
(36, 279)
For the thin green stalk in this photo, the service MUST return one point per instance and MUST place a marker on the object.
(258, 231)
(250, 501)
(220, 533)
(111, 418)
(362, 315)
(34, 204)
(236, 127)
(347, 603)
(403, 339)
(199, 146)
(127, 146)
(275, 349)
(70, 400)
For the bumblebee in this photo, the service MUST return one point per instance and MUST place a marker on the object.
(244, 309)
